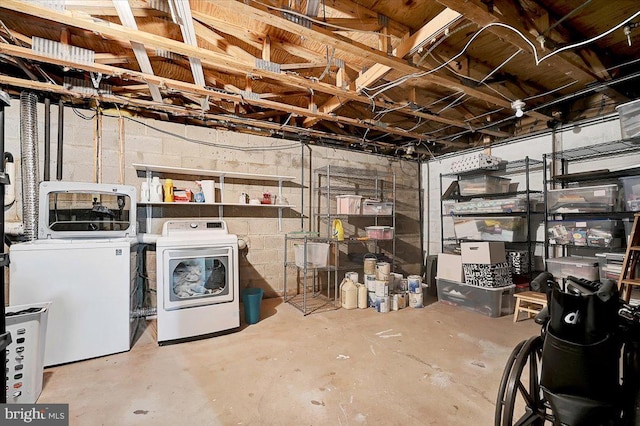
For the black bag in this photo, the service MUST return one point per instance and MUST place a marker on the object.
(584, 318)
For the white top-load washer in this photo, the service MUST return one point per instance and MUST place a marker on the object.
(83, 265)
(198, 285)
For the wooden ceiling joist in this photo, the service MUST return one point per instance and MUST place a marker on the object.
(209, 58)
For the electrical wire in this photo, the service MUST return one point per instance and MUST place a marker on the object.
(81, 115)
(383, 88)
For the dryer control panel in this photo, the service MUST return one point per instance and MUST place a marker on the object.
(196, 225)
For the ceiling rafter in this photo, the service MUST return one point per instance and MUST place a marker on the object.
(360, 12)
(263, 14)
(211, 59)
(478, 12)
(194, 89)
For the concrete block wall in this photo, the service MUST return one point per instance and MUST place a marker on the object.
(175, 145)
(566, 137)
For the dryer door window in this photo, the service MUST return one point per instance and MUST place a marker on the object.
(197, 277)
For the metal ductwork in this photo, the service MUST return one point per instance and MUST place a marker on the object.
(30, 174)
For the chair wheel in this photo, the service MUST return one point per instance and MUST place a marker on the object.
(520, 399)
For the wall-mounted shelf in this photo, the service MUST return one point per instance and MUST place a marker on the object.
(151, 170)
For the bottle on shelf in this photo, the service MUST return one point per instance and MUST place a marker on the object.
(155, 190)
(145, 195)
(168, 191)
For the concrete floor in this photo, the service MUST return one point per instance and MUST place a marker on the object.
(439, 365)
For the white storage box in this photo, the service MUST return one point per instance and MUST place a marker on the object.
(348, 204)
(375, 207)
(25, 354)
(379, 232)
(492, 302)
(450, 267)
(586, 199)
(629, 119)
(483, 184)
(483, 252)
(317, 255)
(579, 267)
(475, 162)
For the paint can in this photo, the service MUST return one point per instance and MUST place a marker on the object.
(370, 264)
(415, 300)
(403, 299)
(402, 286)
(382, 289)
(382, 304)
(370, 282)
(372, 298)
(415, 283)
(383, 270)
(353, 276)
(394, 281)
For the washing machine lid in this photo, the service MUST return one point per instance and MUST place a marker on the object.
(86, 210)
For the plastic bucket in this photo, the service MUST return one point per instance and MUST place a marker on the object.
(251, 299)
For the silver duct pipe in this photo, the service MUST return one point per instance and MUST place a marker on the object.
(30, 174)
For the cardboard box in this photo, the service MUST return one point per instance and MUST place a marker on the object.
(450, 267)
(483, 252)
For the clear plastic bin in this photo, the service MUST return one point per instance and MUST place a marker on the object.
(629, 119)
(379, 232)
(492, 302)
(317, 255)
(348, 204)
(508, 229)
(375, 207)
(631, 186)
(579, 267)
(604, 233)
(586, 199)
(501, 205)
(483, 184)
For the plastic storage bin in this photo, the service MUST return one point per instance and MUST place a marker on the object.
(592, 233)
(375, 207)
(631, 186)
(629, 119)
(579, 267)
(317, 255)
(379, 232)
(492, 302)
(601, 198)
(348, 204)
(25, 354)
(610, 265)
(484, 184)
(508, 229)
(501, 205)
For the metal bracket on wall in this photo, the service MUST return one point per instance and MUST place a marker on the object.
(4, 259)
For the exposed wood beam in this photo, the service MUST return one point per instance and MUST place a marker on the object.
(365, 24)
(221, 44)
(240, 33)
(358, 11)
(263, 14)
(477, 12)
(286, 79)
(427, 32)
(128, 20)
(214, 95)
